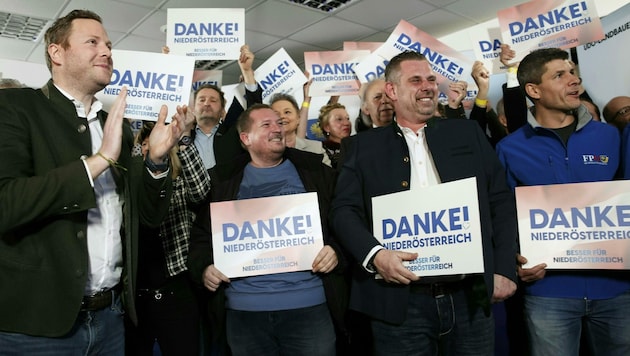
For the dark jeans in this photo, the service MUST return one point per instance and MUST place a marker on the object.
(304, 331)
(98, 332)
(555, 325)
(442, 325)
(170, 316)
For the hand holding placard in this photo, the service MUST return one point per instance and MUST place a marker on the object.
(389, 265)
(212, 278)
(529, 274)
(325, 261)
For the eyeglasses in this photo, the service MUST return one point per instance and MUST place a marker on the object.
(622, 112)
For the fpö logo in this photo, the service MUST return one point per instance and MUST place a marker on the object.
(595, 159)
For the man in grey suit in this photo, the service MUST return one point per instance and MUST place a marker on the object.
(71, 199)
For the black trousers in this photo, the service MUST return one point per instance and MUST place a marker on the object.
(169, 316)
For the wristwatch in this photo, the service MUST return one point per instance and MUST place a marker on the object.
(154, 167)
(185, 141)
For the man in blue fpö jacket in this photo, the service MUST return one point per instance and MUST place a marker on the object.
(554, 148)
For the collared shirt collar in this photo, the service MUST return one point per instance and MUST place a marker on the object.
(94, 109)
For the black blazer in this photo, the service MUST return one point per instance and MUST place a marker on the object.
(45, 193)
(378, 163)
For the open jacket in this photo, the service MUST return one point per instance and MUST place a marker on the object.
(45, 193)
(378, 163)
(316, 177)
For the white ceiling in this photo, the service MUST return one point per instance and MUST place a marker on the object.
(270, 24)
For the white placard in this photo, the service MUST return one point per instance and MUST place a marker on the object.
(152, 80)
(487, 47)
(575, 226)
(332, 72)
(447, 63)
(441, 223)
(206, 34)
(549, 23)
(279, 74)
(260, 236)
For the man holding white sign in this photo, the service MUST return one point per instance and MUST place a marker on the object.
(419, 150)
(277, 313)
(561, 143)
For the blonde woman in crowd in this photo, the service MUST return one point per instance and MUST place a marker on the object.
(335, 123)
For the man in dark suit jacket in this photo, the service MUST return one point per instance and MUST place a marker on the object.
(71, 199)
(411, 314)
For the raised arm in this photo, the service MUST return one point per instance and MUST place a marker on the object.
(514, 99)
(306, 104)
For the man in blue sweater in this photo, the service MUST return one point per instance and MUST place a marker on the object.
(559, 305)
(282, 313)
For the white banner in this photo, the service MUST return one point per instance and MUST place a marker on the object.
(441, 223)
(206, 34)
(447, 63)
(259, 236)
(549, 23)
(575, 226)
(280, 74)
(487, 47)
(333, 72)
(152, 79)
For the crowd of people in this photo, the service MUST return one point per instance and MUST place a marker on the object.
(107, 251)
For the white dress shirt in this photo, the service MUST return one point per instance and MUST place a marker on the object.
(423, 171)
(104, 221)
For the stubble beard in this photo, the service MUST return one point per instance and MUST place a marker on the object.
(211, 119)
(425, 109)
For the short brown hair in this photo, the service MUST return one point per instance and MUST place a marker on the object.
(392, 69)
(534, 65)
(59, 32)
(244, 121)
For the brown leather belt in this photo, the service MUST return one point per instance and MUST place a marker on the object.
(99, 300)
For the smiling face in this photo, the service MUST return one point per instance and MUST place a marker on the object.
(264, 137)
(414, 92)
(84, 64)
(288, 113)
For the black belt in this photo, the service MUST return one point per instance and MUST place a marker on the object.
(173, 285)
(99, 300)
(438, 289)
(156, 294)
